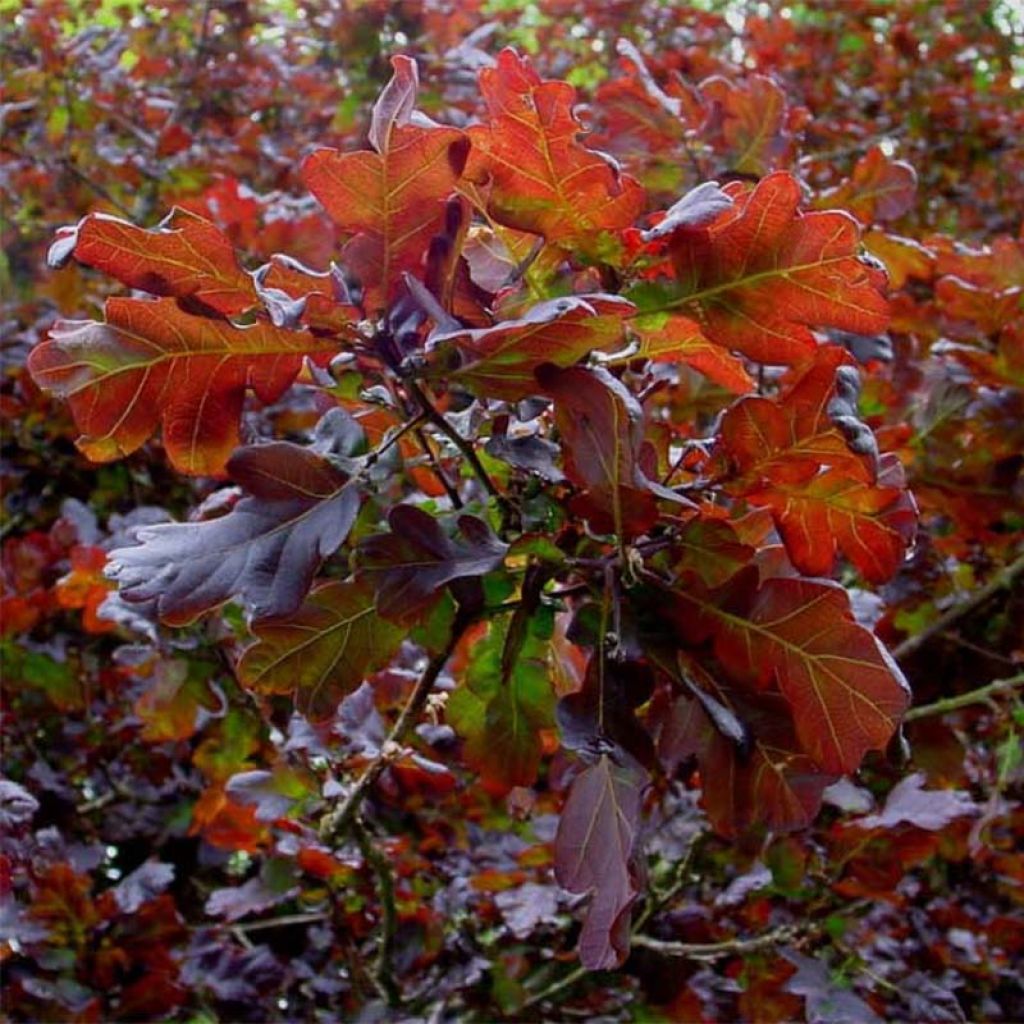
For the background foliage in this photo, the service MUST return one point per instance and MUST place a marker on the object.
(169, 849)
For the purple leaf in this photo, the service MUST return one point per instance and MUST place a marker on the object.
(826, 1002)
(909, 803)
(409, 565)
(264, 552)
(595, 850)
(145, 883)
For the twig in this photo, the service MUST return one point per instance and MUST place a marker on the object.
(450, 489)
(963, 700)
(285, 921)
(336, 821)
(1002, 580)
(383, 973)
(459, 441)
(714, 950)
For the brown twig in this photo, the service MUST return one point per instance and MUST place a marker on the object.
(336, 821)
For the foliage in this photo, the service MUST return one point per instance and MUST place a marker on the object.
(512, 513)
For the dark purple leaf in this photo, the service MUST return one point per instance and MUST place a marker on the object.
(263, 552)
(595, 853)
(410, 565)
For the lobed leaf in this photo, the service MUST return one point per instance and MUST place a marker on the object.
(845, 692)
(184, 257)
(409, 566)
(153, 364)
(392, 199)
(879, 188)
(807, 457)
(264, 552)
(541, 178)
(762, 274)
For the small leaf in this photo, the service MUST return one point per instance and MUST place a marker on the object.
(410, 565)
(826, 1002)
(264, 552)
(322, 652)
(879, 189)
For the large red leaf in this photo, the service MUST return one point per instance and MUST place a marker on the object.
(151, 363)
(265, 551)
(601, 430)
(185, 256)
(845, 691)
(761, 275)
(499, 361)
(595, 848)
(541, 178)
(392, 199)
(807, 458)
(872, 524)
(322, 651)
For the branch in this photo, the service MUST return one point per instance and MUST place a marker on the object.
(714, 950)
(285, 921)
(336, 821)
(383, 973)
(1002, 580)
(963, 700)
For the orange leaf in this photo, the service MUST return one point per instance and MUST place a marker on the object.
(391, 199)
(151, 363)
(543, 180)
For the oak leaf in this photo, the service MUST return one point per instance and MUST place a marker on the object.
(762, 274)
(390, 199)
(185, 256)
(151, 363)
(845, 692)
(541, 178)
(499, 361)
(265, 551)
